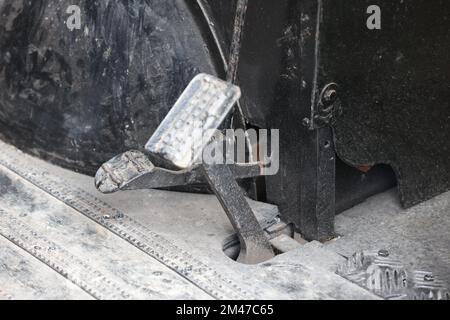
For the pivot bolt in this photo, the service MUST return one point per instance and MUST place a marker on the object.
(330, 96)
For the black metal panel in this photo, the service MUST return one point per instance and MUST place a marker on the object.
(268, 36)
(79, 97)
(394, 86)
(278, 75)
(283, 69)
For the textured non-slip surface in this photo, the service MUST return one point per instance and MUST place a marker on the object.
(419, 236)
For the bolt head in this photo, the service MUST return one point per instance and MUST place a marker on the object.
(428, 278)
(383, 253)
(330, 96)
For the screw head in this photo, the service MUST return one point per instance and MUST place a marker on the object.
(383, 253)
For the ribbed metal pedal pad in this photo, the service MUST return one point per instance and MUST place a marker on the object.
(390, 279)
(189, 126)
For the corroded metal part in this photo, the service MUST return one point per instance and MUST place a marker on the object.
(133, 170)
(255, 246)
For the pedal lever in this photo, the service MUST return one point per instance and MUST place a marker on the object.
(179, 142)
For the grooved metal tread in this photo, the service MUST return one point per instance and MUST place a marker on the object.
(131, 245)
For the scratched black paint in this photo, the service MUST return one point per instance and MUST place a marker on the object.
(78, 98)
(395, 87)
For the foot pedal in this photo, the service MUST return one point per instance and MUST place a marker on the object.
(189, 126)
(179, 142)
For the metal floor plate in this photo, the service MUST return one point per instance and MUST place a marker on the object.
(132, 245)
(24, 277)
(419, 237)
(61, 239)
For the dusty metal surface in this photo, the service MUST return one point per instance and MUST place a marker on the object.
(391, 278)
(419, 237)
(84, 253)
(122, 225)
(139, 239)
(24, 277)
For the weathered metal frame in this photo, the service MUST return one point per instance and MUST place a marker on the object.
(305, 187)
